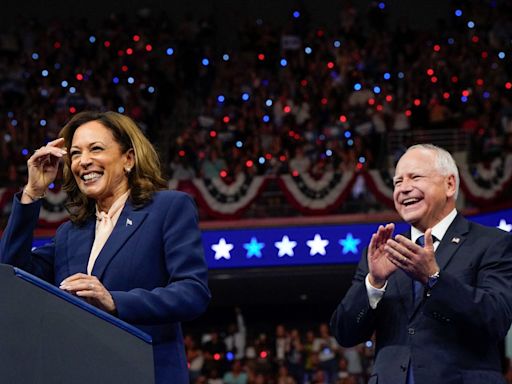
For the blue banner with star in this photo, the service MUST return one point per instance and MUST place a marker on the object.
(301, 245)
(305, 245)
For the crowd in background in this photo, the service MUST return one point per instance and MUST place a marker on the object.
(296, 97)
(238, 355)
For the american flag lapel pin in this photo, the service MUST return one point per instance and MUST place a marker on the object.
(128, 222)
(456, 240)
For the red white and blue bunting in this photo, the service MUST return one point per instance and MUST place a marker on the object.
(482, 185)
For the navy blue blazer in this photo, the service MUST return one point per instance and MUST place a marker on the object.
(152, 264)
(451, 336)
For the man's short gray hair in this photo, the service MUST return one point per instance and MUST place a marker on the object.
(444, 162)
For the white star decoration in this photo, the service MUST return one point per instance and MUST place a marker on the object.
(222, 249)
(317, 245)
(504, 226)
(285, 246)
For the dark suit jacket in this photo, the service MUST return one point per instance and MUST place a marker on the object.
(451, 336)
(152, 264)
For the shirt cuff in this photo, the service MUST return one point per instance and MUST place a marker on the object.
(374, 294)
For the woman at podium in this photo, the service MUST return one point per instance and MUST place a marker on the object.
(131, 247)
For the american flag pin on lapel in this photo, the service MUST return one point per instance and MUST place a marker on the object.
(456, 240)
(128, 222)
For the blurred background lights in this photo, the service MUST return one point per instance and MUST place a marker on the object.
(44, 73)
(239, 144)
(245, 96)
(266, 118)
(64, 84)
(328, 152)
(501, 55)
(115, 80)
(382, 5)
(72, 90)
(35, 56)
(130, 80)
(387, 76)
(261, 160)
(92, 39)
(308, 50)
(283, 62)
(471, 24)
(357, 86)
(225, 57)
(458, 12)
(169, 51)
(376, 89)
(120, 109)
(24, 151)
(296, 14)
(401, 75)
(151, 89)
(205, 62)
(14, 123)
(42, 123)
(221, 98)
(337, 43)
(268, 102)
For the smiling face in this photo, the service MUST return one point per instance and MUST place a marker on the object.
(98, 164)
(423, 196)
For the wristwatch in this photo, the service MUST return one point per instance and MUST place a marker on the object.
(432, 280)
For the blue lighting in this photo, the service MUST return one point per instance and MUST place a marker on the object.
(72, 90)
(51, 186)
(115, 80)
(14, 123)
(245, 96)
(230, 356)
(471, 24)
(382, 5)
(92, 39)
(130, 80)
(350, 142)
(64, 84)
(35, 56)
(451, 41)
(169, 51)
(376, 89)
(296, 14)
(151, 89)
(261, 160)
(328, 152)
(57, 66)
(337, 43)
(283, 63)
(24, 151)
(221, 98)
(205, 62)
(362, 159)
(266, 118)
(401, 75)
(44, 73)
(239, 144)
(357, 86)
(501, 55)
(464, 99)
(486, 95)
(458, 12)
(10, 114)
(225, 57)
(268, 103)
(308, 50)
(42, 123)
(120, 109)
(347, 134)
(387, 76)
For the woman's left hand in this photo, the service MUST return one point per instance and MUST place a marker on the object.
(90, 288)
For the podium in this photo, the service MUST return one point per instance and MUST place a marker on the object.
(48, 336)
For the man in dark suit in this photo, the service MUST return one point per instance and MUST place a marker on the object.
(438, 298)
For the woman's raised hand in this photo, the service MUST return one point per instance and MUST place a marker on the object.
(43, 166)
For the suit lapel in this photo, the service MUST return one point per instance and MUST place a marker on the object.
(128, 223)
(79, 244)
(452, 240)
